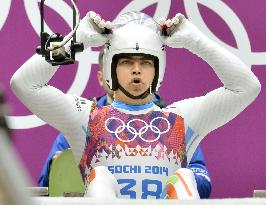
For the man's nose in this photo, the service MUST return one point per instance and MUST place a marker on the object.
(136, 69)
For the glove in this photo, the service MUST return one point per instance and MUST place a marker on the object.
(181, 185)
(102, 183)
(179, 32)
(92, 30)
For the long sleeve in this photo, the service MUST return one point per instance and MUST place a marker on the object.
(240, 86)
(65, 112)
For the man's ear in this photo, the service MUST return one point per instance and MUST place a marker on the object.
(100, 77)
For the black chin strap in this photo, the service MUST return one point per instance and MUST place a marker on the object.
(141, 96)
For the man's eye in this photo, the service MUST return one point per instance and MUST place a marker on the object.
(147, 62)
(125, 62)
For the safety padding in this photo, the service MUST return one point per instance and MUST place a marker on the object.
(65, 176)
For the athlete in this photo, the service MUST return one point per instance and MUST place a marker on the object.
(133, 148)
(197, 163)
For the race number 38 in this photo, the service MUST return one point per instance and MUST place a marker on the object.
(150, 188)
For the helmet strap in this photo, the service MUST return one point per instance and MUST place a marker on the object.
(141, 96)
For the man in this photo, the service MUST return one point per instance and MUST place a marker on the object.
(197, 163)
(133, 145)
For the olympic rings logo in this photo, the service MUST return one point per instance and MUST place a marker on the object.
(137, 133)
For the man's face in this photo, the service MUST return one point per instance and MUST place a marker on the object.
(135, 73)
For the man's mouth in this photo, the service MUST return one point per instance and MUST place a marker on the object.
(136, 81)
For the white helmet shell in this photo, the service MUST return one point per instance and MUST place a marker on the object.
(134, 32)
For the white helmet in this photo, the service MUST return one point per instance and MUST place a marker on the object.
(134, 33)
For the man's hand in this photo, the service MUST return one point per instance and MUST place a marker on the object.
(181, 185)
(92, 29)
(179, 31)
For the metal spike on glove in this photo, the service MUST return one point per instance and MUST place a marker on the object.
(169, 25)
